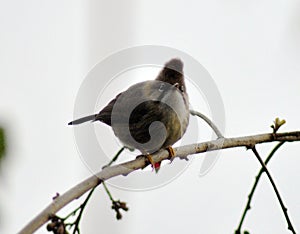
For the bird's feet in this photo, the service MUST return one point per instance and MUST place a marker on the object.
(149, 159)
(155, 165)
(171, 153)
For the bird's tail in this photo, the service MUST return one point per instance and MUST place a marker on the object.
(83, 119)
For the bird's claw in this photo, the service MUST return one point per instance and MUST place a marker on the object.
(171, 153)
(154, 165)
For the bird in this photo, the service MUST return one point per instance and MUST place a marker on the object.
(150, 115)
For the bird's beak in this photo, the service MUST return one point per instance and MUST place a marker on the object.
(176, 85)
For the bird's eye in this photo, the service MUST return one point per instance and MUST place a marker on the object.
(161, 88)
(181, 88)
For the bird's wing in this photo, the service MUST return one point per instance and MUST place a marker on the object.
(105, 114)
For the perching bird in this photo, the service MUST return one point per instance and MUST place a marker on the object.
(150, 115)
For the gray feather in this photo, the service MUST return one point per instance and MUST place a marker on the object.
(83, 119)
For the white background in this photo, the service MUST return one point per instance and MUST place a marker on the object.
(252, 51)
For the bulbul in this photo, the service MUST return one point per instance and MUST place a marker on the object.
(149, 115)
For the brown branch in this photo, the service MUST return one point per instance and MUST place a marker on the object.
(140, 162)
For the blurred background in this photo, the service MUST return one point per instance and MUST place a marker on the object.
(252, 51)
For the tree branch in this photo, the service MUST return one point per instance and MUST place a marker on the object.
(250, 196)
(140, 162)
(284, 209)
(208, 121)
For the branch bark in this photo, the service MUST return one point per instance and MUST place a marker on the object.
(130, 166)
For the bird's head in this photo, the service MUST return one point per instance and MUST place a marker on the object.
(172, 73)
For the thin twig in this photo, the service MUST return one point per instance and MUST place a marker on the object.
(116, 205)
(250, 196)
(284, 209)
(59, 225)
(115, 157)
(107, 191)
(141, 162)
(72, 213)
(208, 121)
(82, 206)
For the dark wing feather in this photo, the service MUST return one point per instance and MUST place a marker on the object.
(105, 114)
(143, 116)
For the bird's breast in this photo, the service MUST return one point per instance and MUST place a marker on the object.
(154, 121)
